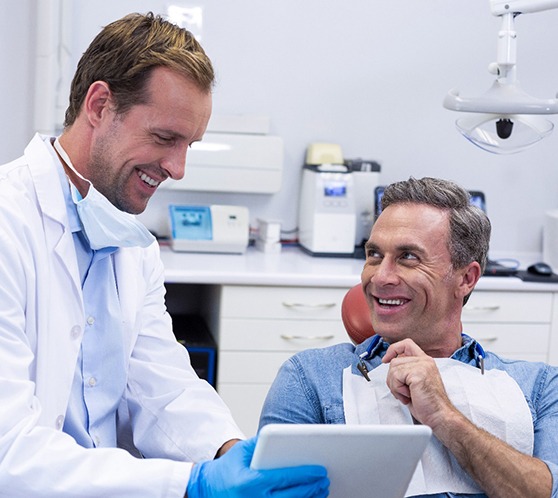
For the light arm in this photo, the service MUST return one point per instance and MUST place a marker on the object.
(500, 7)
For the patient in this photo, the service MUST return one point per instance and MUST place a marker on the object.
(494, 421)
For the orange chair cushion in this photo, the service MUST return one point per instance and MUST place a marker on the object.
(356, 315)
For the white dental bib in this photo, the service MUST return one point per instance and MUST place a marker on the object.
(492, 401)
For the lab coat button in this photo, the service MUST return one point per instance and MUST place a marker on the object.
(75, 332)
(59, 422)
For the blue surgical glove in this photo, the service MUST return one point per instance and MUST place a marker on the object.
(230, 476)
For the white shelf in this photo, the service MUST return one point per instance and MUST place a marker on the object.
(292, 267)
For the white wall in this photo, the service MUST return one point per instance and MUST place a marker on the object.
(367, 74)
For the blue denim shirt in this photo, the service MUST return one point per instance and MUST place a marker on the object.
(309, 390)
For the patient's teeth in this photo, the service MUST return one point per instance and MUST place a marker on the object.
(395, 302)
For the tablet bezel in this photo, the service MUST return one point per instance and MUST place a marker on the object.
(359, 458)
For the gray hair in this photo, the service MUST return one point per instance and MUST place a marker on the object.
(469, 235)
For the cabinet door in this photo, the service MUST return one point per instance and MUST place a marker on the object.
(512, 340)
(245, 402)
(257, 334)
(508, 307)
(251, 367)
(260, 328)
(514, 325)
(302, 303)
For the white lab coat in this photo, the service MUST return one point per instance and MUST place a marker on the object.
(174, 417)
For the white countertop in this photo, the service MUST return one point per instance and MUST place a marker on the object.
(291, 267)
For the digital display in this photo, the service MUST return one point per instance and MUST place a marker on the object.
(477, 199)
(335, 190)
(378, 194)
(191, 222)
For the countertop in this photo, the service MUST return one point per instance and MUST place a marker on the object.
(292, 267)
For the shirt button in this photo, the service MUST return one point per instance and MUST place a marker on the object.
(59, 422)
(91, 320)
(92, 381)
(75, 332)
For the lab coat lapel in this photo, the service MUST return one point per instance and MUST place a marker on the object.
(51, 200)
(61, 303)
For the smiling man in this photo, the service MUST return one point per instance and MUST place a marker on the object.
(494, 420)
(97, 397)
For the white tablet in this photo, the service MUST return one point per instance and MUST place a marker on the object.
(361, 460)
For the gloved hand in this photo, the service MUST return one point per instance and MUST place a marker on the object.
(230, 476)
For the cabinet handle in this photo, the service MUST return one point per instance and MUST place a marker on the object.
(307, 337)
(308, 306)
(487, 339)
(478, 309)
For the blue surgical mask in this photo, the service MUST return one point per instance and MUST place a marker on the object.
(104, 224)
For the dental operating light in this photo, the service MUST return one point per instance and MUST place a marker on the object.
(505, 119)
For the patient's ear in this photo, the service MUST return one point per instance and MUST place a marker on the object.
(470, 275)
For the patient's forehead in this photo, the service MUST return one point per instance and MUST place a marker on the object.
(411, 223)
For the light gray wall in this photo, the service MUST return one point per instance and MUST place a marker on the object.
(17, 45)
(367, 74)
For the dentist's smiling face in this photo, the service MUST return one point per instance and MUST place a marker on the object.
(133, 153)
(408, 279)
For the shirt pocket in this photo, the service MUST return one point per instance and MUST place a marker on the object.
(334, 413)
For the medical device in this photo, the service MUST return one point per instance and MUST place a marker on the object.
(212, 228)
(366, 177)
(506, 120)
(327, 217)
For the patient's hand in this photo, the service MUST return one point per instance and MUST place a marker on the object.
(414, 379)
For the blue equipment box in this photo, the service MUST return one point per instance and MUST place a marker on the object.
(192, 332)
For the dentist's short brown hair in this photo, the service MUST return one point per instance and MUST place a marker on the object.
(124, 54)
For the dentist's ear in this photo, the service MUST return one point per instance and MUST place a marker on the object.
(97, 102)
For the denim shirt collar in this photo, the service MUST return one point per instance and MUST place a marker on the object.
(373, 349)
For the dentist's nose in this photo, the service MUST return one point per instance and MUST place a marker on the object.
(175, 163)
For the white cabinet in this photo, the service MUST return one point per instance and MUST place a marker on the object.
(263, 308)
(511, 324)
(262, 326)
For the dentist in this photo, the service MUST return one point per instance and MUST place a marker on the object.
(97, 397)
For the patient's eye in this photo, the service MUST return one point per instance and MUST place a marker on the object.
(372, 253)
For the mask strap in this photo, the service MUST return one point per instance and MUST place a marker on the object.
(66, 159)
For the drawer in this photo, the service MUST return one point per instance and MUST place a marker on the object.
(279, 335)
(249, 368)
(526, 307)
(520, 340)
(301, 303)
(245, 403)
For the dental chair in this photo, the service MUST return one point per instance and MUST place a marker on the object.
(356, 315)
